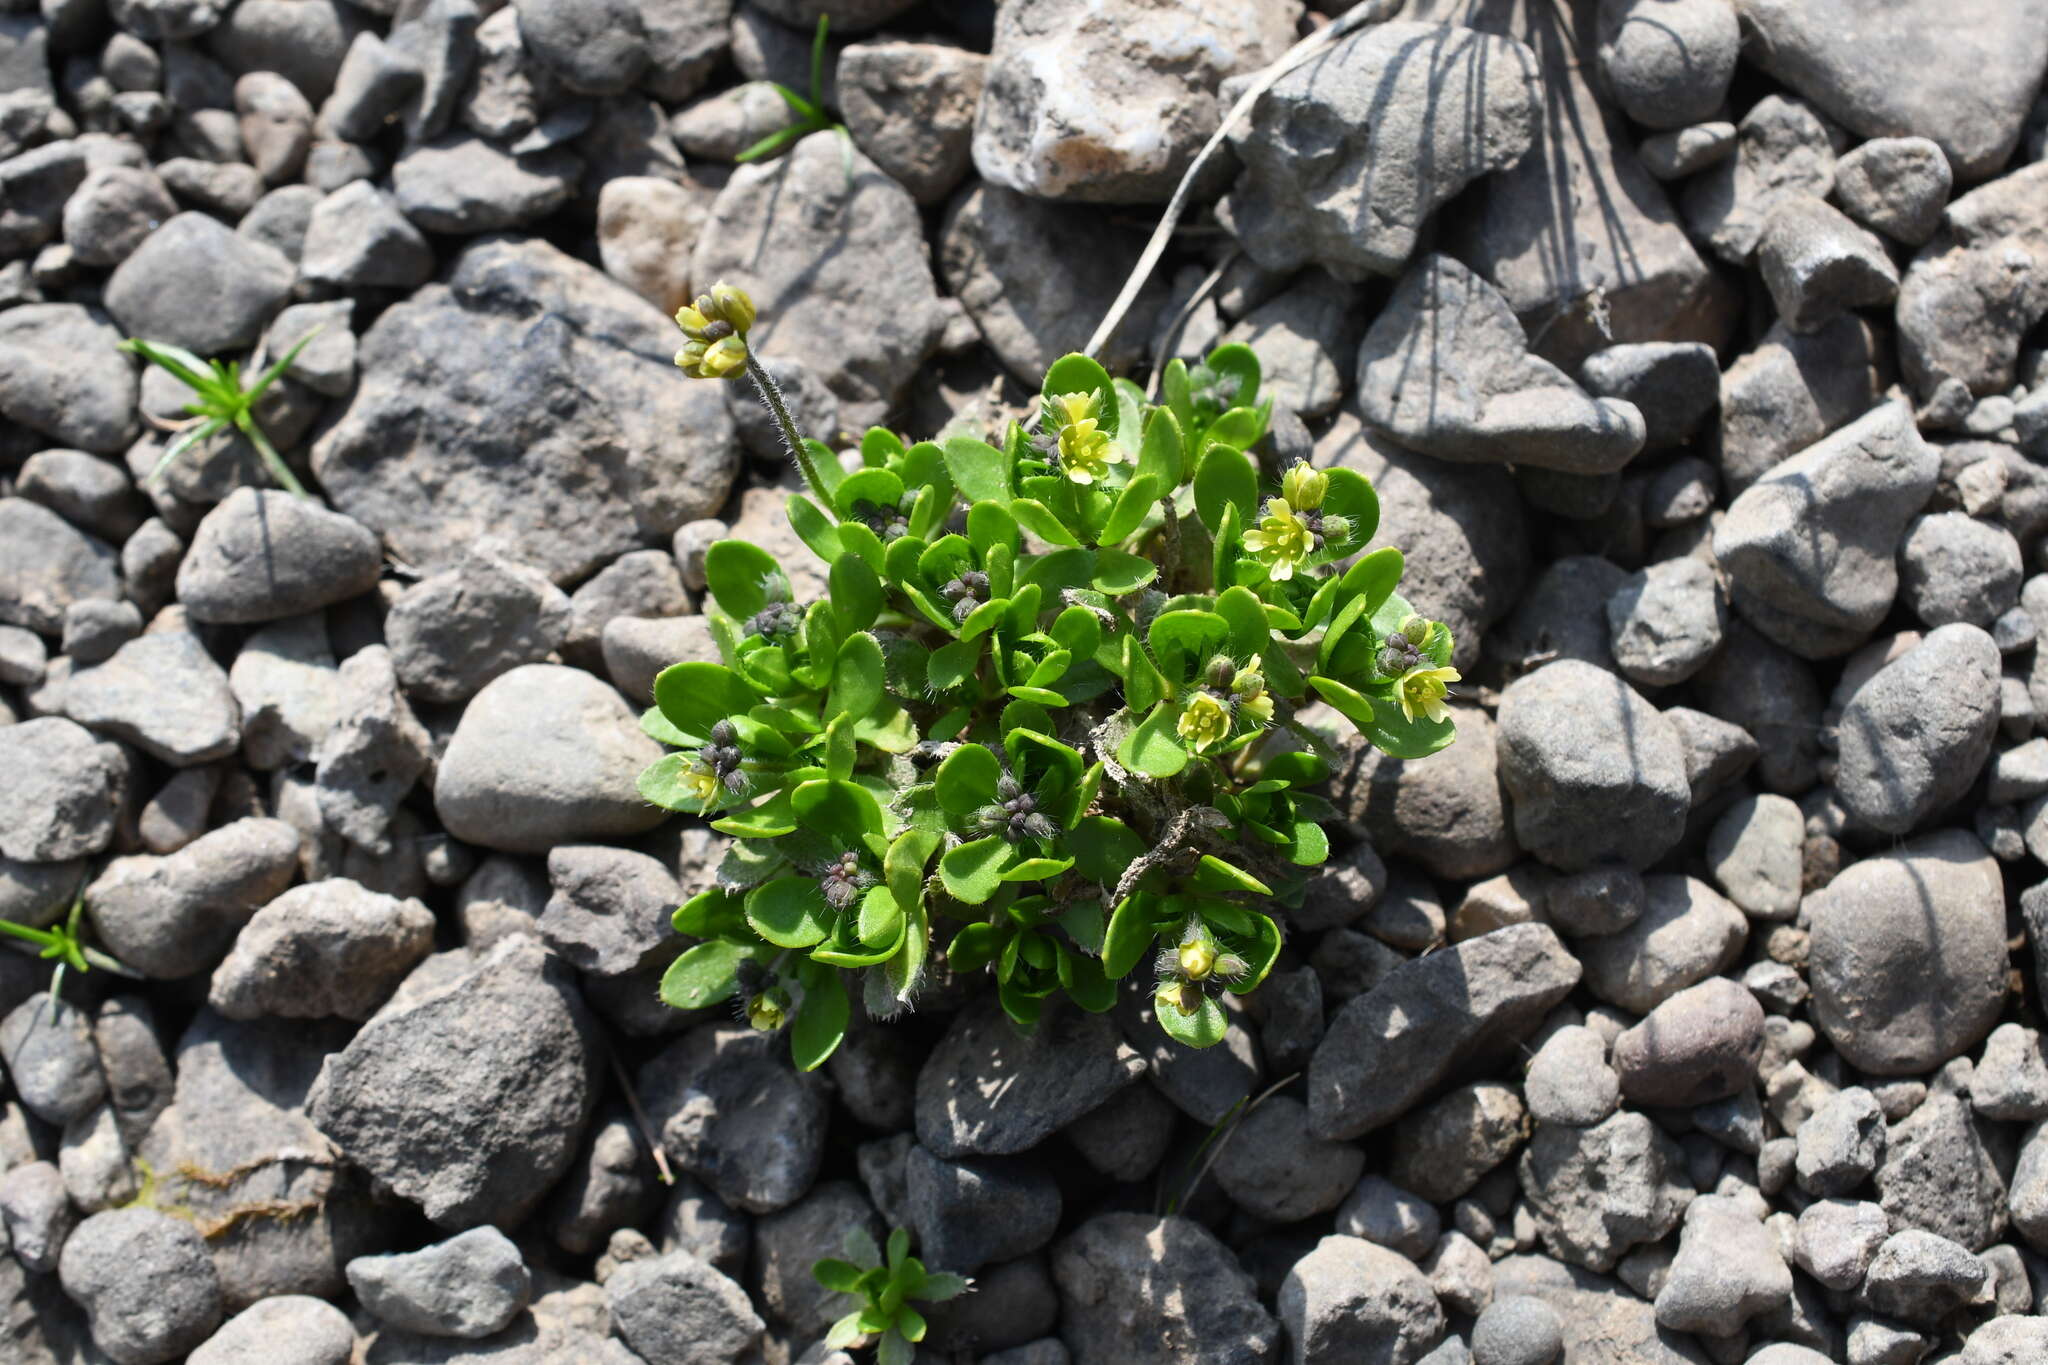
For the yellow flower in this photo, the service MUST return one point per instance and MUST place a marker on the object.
(1282, 540)
(765, 1013)
(701, 782)
(1249, 689)
(1204, 722)
(716, 330)
(1304, 487)
(1424, 690)
(1197, 958)
(1086, 452)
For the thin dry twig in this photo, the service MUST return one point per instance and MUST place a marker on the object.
(641, 1121)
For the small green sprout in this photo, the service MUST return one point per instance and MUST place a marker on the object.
(885, 1316)
(61, 943)
(811, 114)
(219, 402)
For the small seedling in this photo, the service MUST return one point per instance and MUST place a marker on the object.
(885, 1318)
(219, 402)
(811, 114)
(61, 943)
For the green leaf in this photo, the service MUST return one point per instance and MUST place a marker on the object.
(1204, 1028)
(1213, 874)
(979, 470)
(1246, 615)
(841, 1277)
(1238, 429)
(1085, 983)
(881, 919)
(1351, 704)
(856, 592)
(839, 748)
(741, 576)
(943, 1285)
(1037, 869)
(703, 975)
(845, 811)
(952, 665)
(1075, 373)
(1151, 748)
(903, 865)
(878, 445)
(1224, 554)
(966, 781)
(696, 696)
(1351, 496)
(1311, 844)
(892, 1349)
(880, 488)
(1117, 572)
(813, 527)
(1237, 361)
(790, 912)
(711, 913)
(1399, 737)
(974, 946)
(1037, 518)
(1373, 578)
(858, 677)
(770, 820)
(1184, 641)
(1103, 847)
(974, 871)
(662, 783)
(1226, 478)
(1129, 936)
(1132, 505)
(1163, 451)
(821, 1019)
(910, 1323)
(990, 524)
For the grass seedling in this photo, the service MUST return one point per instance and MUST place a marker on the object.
(219, 401)
(811, 114)
(885, 1317)
(61, 943)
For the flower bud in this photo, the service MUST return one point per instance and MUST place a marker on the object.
(1416, 628)
(765, 1013)
(1221, 672)
(1304, 487)
(1197, 959)
(1336, 529)
(725, 357)
(731, 304)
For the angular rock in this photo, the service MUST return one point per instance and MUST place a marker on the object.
(468, 1096)
(1597, 1192)
(1960, 76)
(2011, 1078)
(1727, 1271)
(145, 1283)
(289, 690)
(566, 361)
(1431, 1016)
(1908, 954)
(1895, 185)
(1428, 108)
(1577, 235)
(66, 793)
(544, 755)
(61, 375)
(1350, 1300)
(1594, 772)
(261, 555)
(610, 910)
(1071, 1064)
(645, 229)
(1964, 304)
(1276, 1169)
(367, 763)
(972, 1212)
(469, 1286)
(1041, 130)
(162, 693)
(1446, 370)
(1756, 852)
(1953, 568)
(1685, 934)
(461, 185)
(330, 948)
(1783, 150)
(1939, 1176)
(1809, 547)
(1139, 1290)
(357, 238)
(837, 267)
(1818, 264)
(731, 1110)
(675, 1308)
(173, 916)
(1914, 737)
(1836, 1240)
(1569, 1081)
(1791, 389)
(1450, 816)
(1840, 1143)
(1699, 1046)
(1444, 1149)
(1666, 622)
(197, 283)
(46, 564)
(911, 107)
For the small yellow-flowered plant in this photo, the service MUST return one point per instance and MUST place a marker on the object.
(1086, 451)
(1282, 541)
(716, 328)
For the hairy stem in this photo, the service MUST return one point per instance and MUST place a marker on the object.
(792, 439)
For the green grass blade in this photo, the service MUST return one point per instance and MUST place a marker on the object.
(270, 375)
(41, 937)
(773, 143)
(279, 470)
(818, 62)
(189, 437)
(179, 361)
